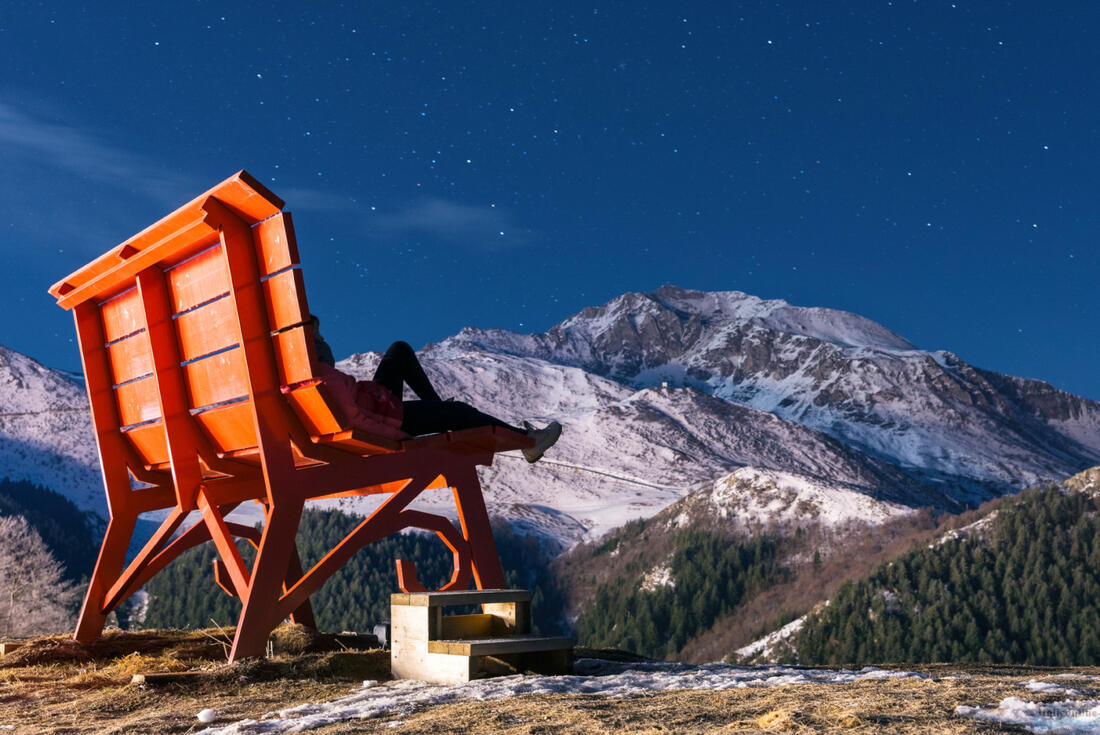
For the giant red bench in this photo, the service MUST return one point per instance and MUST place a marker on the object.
(204, 393)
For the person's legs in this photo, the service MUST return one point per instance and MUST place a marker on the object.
(399, 367)
(431, 417)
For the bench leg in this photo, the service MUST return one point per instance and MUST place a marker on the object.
(303, 614)
(474, 519)
(265, 588)
(107, 570)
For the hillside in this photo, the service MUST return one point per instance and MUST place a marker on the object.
(46, 432)
(1020, 585)
(735, 559)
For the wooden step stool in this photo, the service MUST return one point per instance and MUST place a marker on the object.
(427, 645)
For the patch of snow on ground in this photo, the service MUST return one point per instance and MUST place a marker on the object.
(766, 645)
(658, 576)
(1072, 716)
(401, 698)
(768, 496)
(976, 529)
(1034, 685)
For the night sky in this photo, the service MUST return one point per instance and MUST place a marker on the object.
(930, 165)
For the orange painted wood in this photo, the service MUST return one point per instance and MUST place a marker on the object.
(273, 420)
(285, 297)
(192, 238)
(294, 355)
(230, 428)
(130, 358)
(122, 315)
(278, 447)
(138, 401)
(240, 193)
(113, 449)
(180, 430)
(313, 410)
(150, 442)
(218, 378)
(223, 540)
(360, 442)
(206, 329)
(198, 280)
(276, 246)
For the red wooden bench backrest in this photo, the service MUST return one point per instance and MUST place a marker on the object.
(188, 255)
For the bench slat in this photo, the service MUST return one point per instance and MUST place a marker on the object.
(231, 428)
(276, 247)
(122, 315)
(285, 298)
(217, 378)
(138, 401)
(131, 358)
(294, 355)
(200, 279)
(150, 442)
(207, 329)
(313, 410)
(360, 442)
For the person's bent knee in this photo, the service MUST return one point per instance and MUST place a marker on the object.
(400, 348)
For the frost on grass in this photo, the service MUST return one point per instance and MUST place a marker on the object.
(1073, 716)
(594, 676)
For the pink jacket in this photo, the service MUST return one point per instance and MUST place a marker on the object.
(367, 405)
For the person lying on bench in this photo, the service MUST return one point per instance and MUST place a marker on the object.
(376, 405)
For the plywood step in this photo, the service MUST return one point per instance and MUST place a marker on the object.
(463, 597)
(500, 646)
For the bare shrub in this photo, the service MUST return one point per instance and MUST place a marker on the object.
(35, 598)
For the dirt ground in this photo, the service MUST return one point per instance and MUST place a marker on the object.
(52, 685)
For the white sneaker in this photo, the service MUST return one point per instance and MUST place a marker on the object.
(544, 439)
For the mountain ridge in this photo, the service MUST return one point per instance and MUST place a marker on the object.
(665, 391)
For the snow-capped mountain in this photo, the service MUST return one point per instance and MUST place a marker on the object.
(627, 453)
(46, 431)
(927, 412)
(661, 394)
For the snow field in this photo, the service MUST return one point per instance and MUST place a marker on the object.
(594, 677)
(1070, 716)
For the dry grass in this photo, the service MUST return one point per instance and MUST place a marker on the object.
(52, 686)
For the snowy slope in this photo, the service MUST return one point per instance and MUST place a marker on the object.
(929, 412)
(627, 453)
(755, 498)
(46, 432)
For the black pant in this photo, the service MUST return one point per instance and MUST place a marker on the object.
(429, 415)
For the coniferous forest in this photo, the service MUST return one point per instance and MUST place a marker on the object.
(1026, 591)
(710, 576)
(357, 597)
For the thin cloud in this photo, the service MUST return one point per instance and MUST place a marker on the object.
(478, 226)
(66, 184)
(27, 140)
(314, 200)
